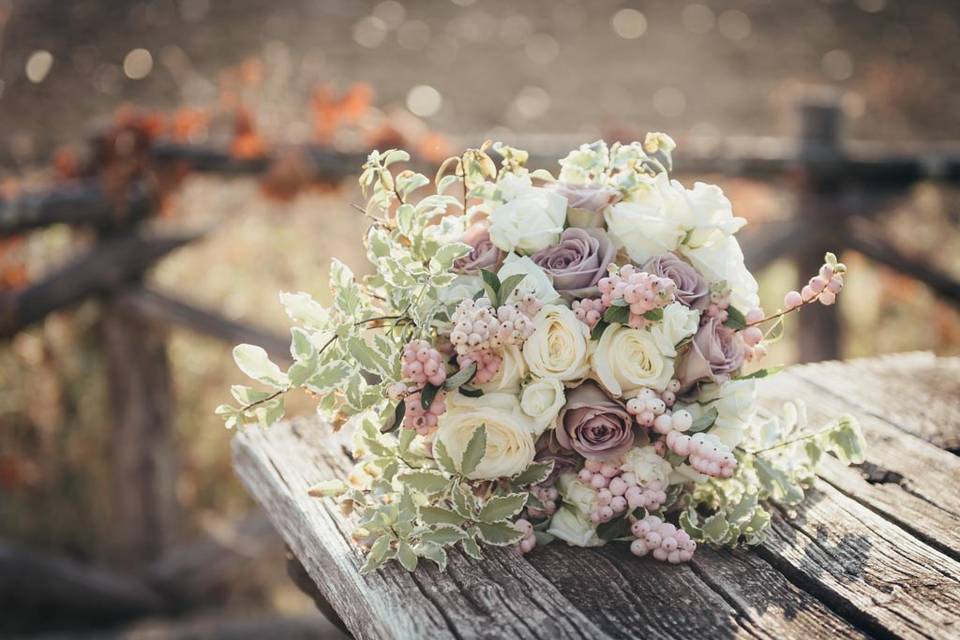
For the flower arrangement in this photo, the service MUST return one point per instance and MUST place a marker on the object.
(538, 358)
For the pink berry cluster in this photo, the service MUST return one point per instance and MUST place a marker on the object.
(707, 454)
(719, 304)
(529, 541)
(823, 288)
(648, 406)
(480, 333)
(422, 364)
(589, 311)
(424, 422)
(664, 540)
(548, 496)
(753, 335)
(617, 491)
(642, 291)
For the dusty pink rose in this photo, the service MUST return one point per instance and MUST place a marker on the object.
(692, 289)
(593, 424)
(592, 197)
(715, 354)
(484, 254)
(578, 261)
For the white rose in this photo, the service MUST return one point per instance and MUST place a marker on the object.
(513, 185)
(647, 465)
(736, 405)
(512, 370)
(576, 493)
(723, 261)
(626, 360)
(679, 322)
(708, 215)
(558, 346)
(642, 226)
(542, 400)
(510, 446)
(574, 527)
(531, 221)
(537, 281)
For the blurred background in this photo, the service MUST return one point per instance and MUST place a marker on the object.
(167, 166)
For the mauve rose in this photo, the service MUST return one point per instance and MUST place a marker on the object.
(484, 254)
(578, 261)
(715, 353)
(692, 289)
(593, 424)
(592, 197)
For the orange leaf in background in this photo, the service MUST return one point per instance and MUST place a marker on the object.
(356, 103)
(330, 111)
(247, 143)
(13, 271)
(66, 164)
(188, 123)
(434, 148)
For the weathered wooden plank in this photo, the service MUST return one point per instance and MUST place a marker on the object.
(908, 480)
(869, 570)
(500, 597)
(560, 592)
(916, 392)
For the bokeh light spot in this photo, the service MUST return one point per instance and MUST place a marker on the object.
(734, 25)
(698, 19)
(531, 102)
(424, 101)
(391, 12)
(138, 64)
(370, 32)
(872, 6)
(38, 66)
(542, 48)
(629, 24)
(837, 65)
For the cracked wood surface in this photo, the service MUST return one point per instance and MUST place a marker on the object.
(874, 552)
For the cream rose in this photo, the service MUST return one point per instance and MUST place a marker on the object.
(510, 439)
(512, 370)
(644, 225)
(532, 220)
(679, 322)
(577, 494)
(626, 360)
(735, 402)
(575, 528)
(646, 465)
(542, 400)
(558, 346)
(536, 280)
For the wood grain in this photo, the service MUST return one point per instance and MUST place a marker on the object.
(873, 553)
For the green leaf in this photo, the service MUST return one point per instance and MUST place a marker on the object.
(329, 377)
(470, 393)
(543, 538)
(475, 450)
(255, 362)
(368, 357)
(500, 508)
(690, 522)
(471, 548)
(427, 395)
(464, 502)
(301, 371)
(461, 377)
(844, 440)
(705, 421)
(406, 556)
(444, 461)
(654, 315)
(617, 315)
(508, 286)
(438, 515)
(377, 554)
(425, 481)
(447, 254)
(762, 373)
(777, 483)
(499, 534)
(535, 473)
(735, 319)
(444, 534)
(301, 347)
(433, 552)
(328, 489)
(613, 529)
(302, 308)
(248, 395)
(398, 414)
(715, 528)
(597, 332)
(491, 284)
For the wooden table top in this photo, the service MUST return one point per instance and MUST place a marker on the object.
(873, 552)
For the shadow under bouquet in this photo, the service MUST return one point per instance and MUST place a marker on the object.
(540, 358)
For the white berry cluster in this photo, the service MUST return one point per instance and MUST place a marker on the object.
(529, 541)
(617, 491)
(664, 540)
(589, 311)
(707, 454)
(480, 333)
(648, 406)
(548, 496)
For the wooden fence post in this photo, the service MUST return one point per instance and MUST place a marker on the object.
(820, 153)
(143, 455)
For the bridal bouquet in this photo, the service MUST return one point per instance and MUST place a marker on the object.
(540, 357)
